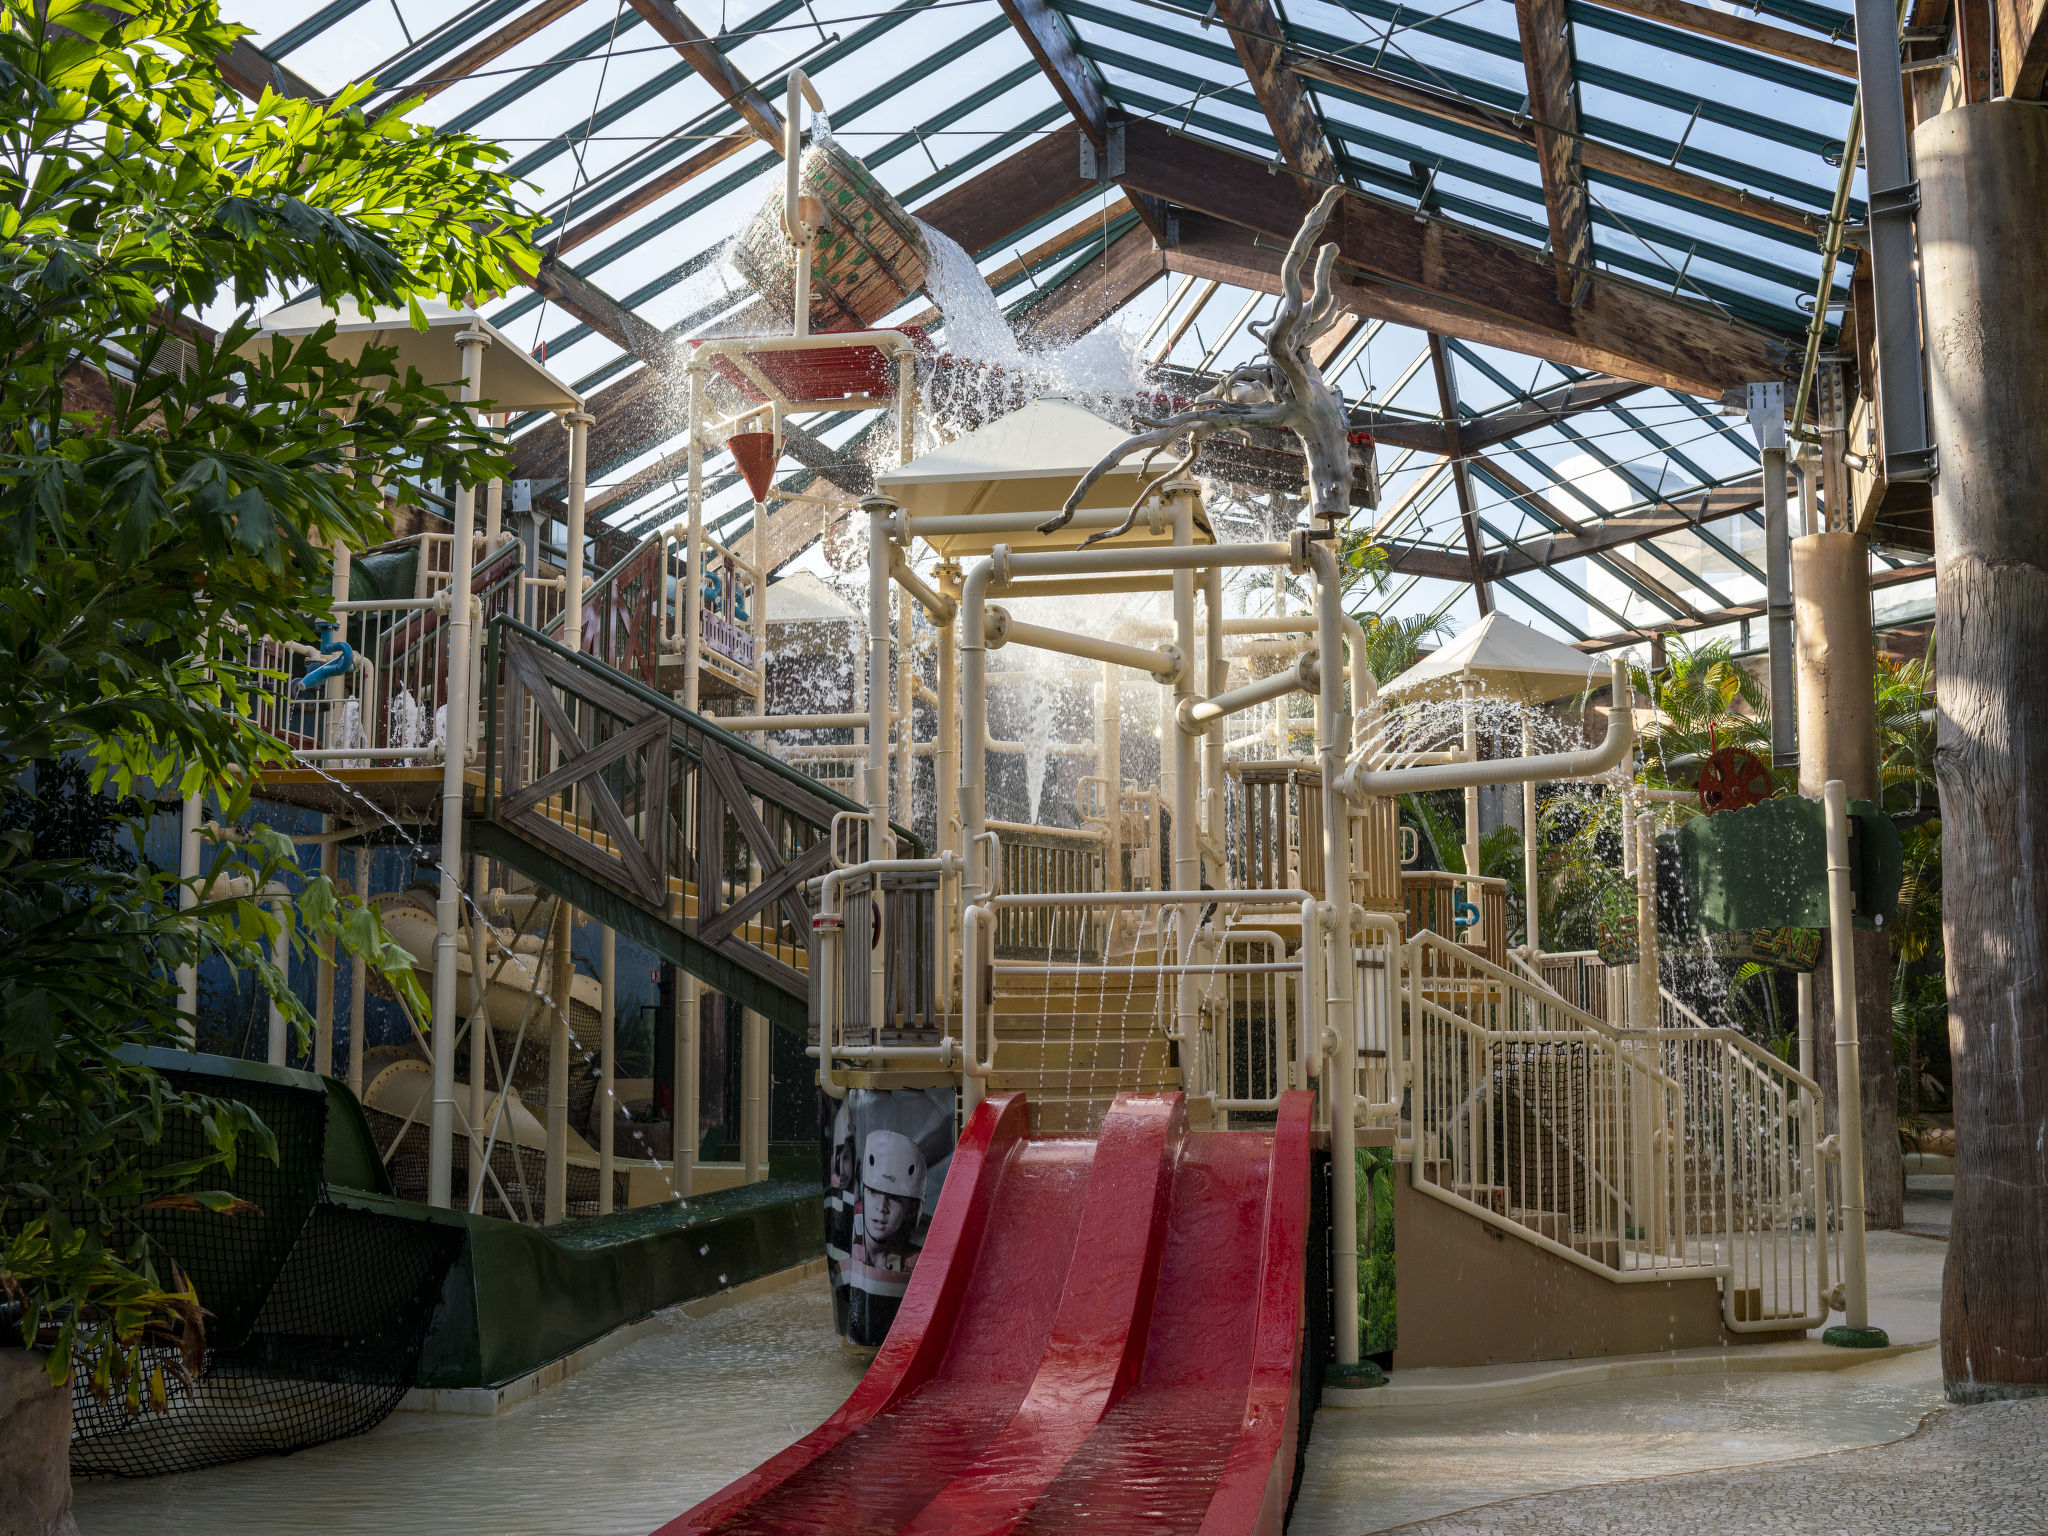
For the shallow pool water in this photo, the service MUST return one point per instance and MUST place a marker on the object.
(1372, 1469)
(616, 1451)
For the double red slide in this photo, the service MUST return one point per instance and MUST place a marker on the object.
(1099, 1336)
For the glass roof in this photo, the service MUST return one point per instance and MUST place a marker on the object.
(603, 119)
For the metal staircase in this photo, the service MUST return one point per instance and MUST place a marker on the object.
(1640, 1154)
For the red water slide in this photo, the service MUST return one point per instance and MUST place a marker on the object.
(1099, 1336)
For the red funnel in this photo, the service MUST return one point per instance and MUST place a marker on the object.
(755, 454)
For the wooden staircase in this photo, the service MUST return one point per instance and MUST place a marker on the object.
(1072, 1043)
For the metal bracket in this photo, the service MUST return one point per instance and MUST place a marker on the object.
(1109, 165)
(1918, 467)
(1894, 200)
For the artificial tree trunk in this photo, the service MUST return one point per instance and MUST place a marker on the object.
(1984, 180)
(35, 1448)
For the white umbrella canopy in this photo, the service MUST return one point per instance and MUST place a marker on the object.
(1028, 461)
(512, 379)
(1506, 660)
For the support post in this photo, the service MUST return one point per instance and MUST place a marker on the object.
(1984, 178)
(946, 770)
(906, 702)
(1838, 740)
(479, 1034)
(358, 984)
(683, 1085)
(1333, 737)
(1215, 679)
(579, 424)
(753, 1071)
(1187, 842)
(1648, 975)
(555, 1201)
(691, 596)
(323, 980)
(1109, 754)
(455, 752)
(607, 1067)
(1894, 196)
(1469, 709)
(880, 844)
(1532, 884)
(191, 816)
(1855, 1331)
(278, 1053)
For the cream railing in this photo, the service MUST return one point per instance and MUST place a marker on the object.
(1638, 1154)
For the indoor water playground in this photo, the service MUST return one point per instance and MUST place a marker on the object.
(1148, 767)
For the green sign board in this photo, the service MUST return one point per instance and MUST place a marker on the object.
(1766, 867)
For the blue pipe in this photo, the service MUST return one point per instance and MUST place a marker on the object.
(344, 661)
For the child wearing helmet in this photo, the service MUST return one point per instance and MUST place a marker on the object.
(892, 1170)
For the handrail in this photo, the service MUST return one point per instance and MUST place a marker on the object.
(613, 677)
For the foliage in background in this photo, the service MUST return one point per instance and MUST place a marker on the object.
(1377, 1333)
(1394, 645)
(162, 497)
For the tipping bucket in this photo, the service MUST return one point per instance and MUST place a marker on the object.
(868, 258)
(755, 454)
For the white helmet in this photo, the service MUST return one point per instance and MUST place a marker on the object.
(892, 1165)
(842, 1129)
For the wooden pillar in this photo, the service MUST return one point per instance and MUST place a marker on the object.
(1837, 669)
(1984, 181)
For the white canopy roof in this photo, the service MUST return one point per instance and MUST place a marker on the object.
(1506, 660)
(805, 595)
(512, 380)
(1026, 462)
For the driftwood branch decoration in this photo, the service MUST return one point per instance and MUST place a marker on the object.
(1284, 392)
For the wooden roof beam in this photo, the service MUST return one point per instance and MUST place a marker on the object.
(2022, 46)
(1130, 264)
(1046, 34)
(1778, 42)
(1261, 48)
(702, 54)
(1438, 276)
(1554, 110)
(484, 50)
(1737, 613)
(1376, 85)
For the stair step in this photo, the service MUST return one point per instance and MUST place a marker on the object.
(1083, 1055)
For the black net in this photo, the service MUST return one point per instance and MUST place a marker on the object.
(1319, 1314)
(317, 1309)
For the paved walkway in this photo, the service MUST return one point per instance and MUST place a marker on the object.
(1968, 1470)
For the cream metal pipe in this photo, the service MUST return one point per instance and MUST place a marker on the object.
(753, 1070)
(1648, 969)
(1109, 757)
(981, 881)
(906, 695)
(686, 1065)
(1848, 1051)
(846, 720)
(940, 524)
(1187, 845)
(358, 983)
(946, 770)
(579, 424)
(937, 605)
(1011, 566)
(607, 1066)
(1532, 886)
(880, 844)
(1357, 780)
(323, 983)
(1214, 681)
(1469, 720)
(1804, 990)
(279, 1044)
(455, 752)
(1087, 586)
(1000, 630)
(555, 1197)
(479, 1026)
(690, 593)
(1303, 677)
(1334, 735)
(191, 816)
